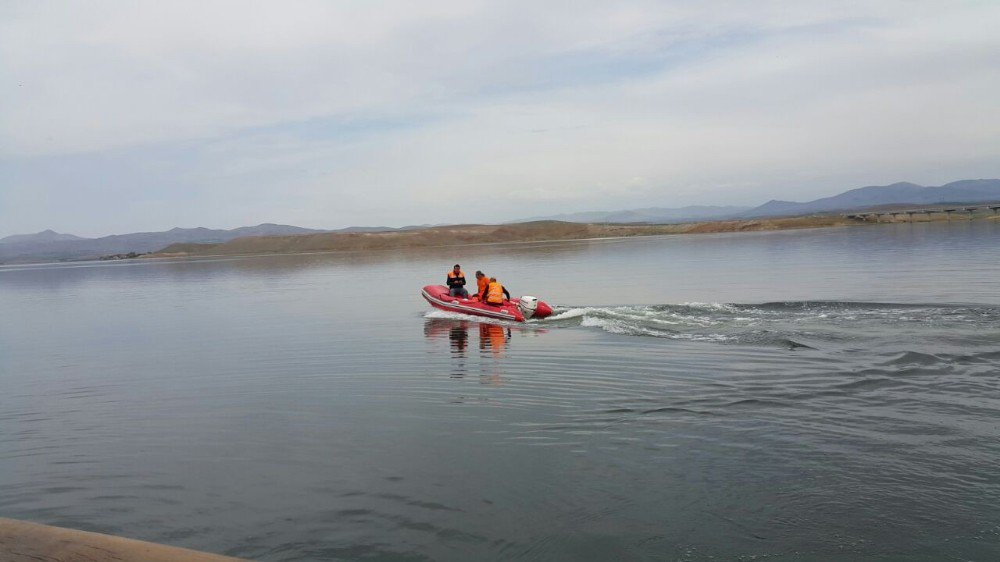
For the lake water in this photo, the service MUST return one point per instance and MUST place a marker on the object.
(810, 395)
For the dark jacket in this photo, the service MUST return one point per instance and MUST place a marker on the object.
(457, 281)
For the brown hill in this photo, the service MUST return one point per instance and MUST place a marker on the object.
(476, 234)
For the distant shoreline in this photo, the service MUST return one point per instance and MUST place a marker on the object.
(541, 231)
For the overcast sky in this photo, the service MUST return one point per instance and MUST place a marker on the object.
(126, 116)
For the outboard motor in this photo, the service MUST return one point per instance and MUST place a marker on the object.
(528, 305)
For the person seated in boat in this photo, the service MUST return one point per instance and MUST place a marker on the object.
(482, 283)
(456, 282)
(496, 293)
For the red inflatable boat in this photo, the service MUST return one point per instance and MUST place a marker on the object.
(515, 309)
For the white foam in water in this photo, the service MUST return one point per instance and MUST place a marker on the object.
(703, 337)
(448, 315)
(618, 327)
(711, 306)
(623, 327)
(718, 322)
(571, 313)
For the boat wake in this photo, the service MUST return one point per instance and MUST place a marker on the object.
(795, 325)
(792, 325)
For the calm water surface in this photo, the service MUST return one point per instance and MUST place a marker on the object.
(814, 395)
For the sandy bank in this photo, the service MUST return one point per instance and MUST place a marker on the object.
(479, 234)
(23, 541)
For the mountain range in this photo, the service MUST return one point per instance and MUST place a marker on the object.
(964, 191)
(53, 246)
(50, 245)
(649, 215)
(903, 193)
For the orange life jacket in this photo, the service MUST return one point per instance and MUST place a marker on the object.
(494, 294)
(452, 274)
(483, 283)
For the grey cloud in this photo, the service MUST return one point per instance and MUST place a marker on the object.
(329, 114)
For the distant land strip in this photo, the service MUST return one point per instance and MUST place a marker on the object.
(461, 235)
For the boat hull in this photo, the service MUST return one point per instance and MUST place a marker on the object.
(438, 296)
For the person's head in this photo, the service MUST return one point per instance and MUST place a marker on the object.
(457, 268)
(480, 275)
(493, 279)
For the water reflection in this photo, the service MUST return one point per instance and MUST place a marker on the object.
(494, 338)
(457, 332)
(493, 343)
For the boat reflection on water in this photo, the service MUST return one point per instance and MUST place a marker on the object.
(457, 332)
(493, 343)
(494, 338)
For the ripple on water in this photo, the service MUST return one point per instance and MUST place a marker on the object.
(270, 413)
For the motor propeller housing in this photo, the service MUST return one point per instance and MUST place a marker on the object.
(528, 305)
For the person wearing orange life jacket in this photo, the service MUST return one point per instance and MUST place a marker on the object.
(456, 282)
(496, 293)
(482, 283)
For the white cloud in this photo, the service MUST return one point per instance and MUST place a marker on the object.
(98, 75)
(335, 113)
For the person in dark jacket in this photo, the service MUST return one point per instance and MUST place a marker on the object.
(456, 282)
